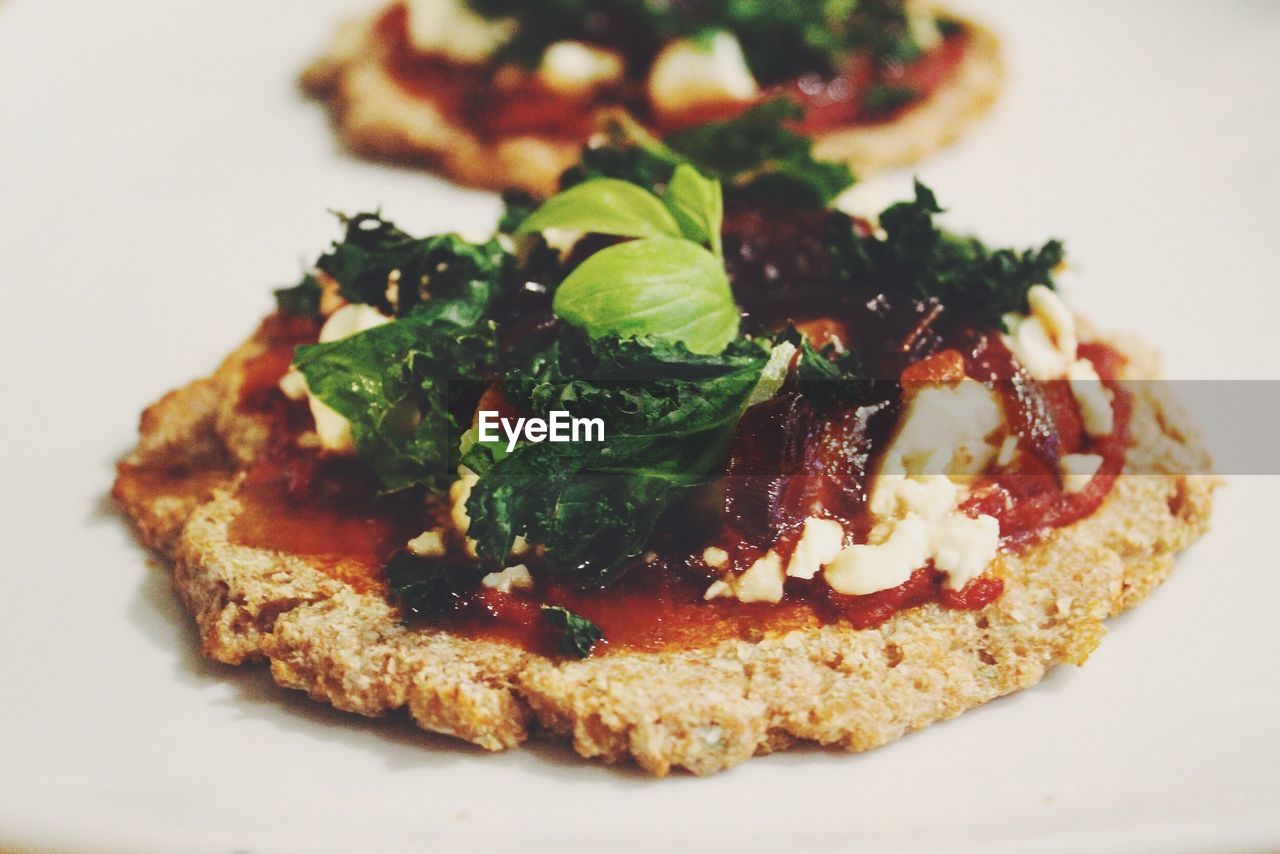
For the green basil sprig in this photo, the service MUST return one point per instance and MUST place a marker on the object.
(668, 283)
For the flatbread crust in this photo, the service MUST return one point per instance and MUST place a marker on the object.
(702, 709)
(376, 118)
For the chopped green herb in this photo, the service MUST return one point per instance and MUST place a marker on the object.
(882, 99)
(430, 588)
(405, 387)
(919, 257)
(578, 634)
(671, 414)
(301, 300)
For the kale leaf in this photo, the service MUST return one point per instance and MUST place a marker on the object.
(669, 416)
(760, 155)
(430, 588)
(578, 634)
(917, 256)
(756, 155)
(405, 387)
(441, 276)
(301, 300)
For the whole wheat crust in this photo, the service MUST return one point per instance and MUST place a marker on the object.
(377, 118)
(700, 709)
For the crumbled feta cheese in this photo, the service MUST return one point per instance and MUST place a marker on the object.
(576, 69)
(1093, 398)
(1031, 342)
(1053, 313)
(512, 578)
(868, 568)
(963, 547)
(864, 200)
(719, 590)
(1046, 344)
(944, 431)
(351, 319)
(762, 582)
(293, 384)
(459, 492)
(1077, 470)
(1008, 448)
(715, 557)
(689, 74)
(820, 541)
(333, 429)
(427, 544)
(942, 438)
(450, 28)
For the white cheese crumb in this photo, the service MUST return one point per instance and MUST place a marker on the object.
(819, 543)
(1008, 448)
(351, 319)
(762, 582)
(718, 590)
(715, 557)
(963, 547)
(333, 429)
(1046, 343)
(688, 74)
(427, 544)
(943, 431)
(450, 28)
(1055, 316)
(868, 568)
(576, 69)
(1077, 470)
(293, 384)
(512, 578)
(942, 438)
(1093, 398)
(459, 492)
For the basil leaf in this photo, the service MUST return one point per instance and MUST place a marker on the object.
(604, 206)
(578, 634)
(697, 205)
(660, 287)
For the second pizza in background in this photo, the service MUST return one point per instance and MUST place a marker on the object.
(502, 93)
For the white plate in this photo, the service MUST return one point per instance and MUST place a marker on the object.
(159, 173)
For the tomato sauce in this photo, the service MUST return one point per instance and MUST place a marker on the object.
(495, 106)
(788, 462)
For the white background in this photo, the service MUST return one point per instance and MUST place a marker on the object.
(159, 174)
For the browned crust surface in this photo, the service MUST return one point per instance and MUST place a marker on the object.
(376, 118)
(700, 709)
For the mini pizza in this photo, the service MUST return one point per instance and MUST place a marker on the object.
(500, 93)
(675, 467)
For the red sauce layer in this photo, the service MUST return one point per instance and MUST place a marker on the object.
(328, 509)
(480, 98)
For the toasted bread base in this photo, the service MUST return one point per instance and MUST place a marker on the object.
(703, 709)
(376, 118)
